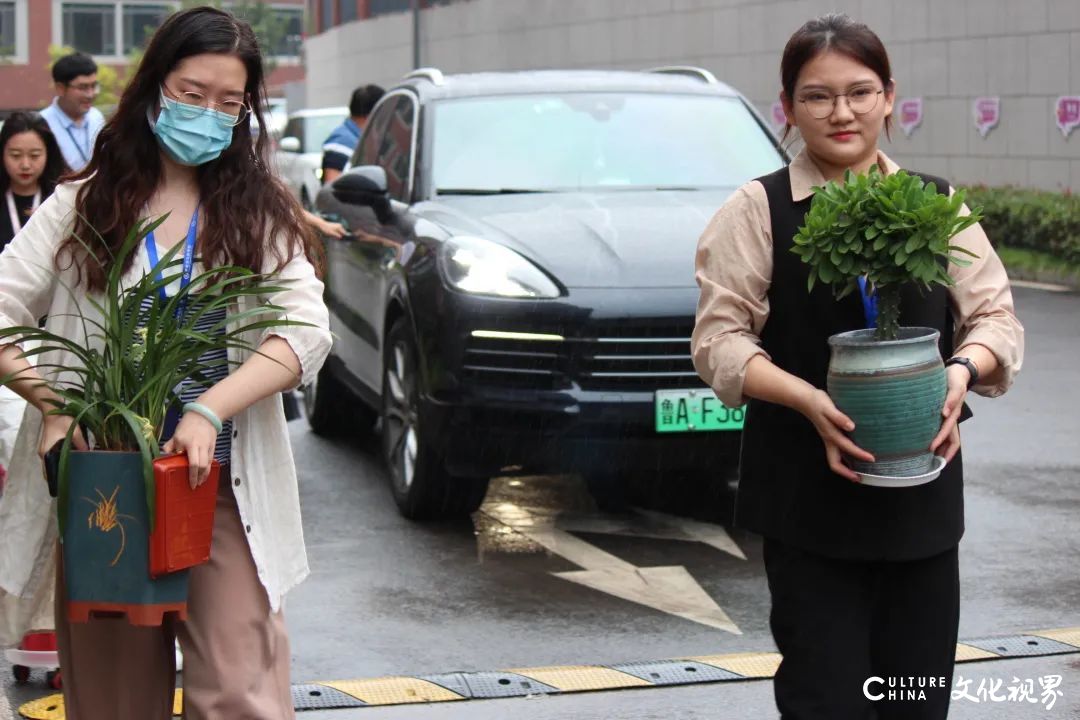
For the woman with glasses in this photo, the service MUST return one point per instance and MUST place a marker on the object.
(863, 581)
(179, 145)
(32, 165)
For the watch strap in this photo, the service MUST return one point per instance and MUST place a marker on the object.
(972, 368)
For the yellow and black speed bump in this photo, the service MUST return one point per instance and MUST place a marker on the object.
(522, 682)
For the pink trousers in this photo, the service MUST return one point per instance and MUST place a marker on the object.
(236, 652)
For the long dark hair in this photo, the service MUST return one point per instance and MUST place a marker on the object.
(245, 207)
(55, 166)
(834, 32)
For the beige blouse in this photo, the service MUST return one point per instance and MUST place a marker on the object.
(734, 269)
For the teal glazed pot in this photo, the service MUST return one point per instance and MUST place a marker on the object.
(893, 390)
(106, 543)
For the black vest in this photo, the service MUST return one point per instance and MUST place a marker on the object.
(786, 490)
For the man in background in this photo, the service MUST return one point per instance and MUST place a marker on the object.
(72, 116)
(339, 147)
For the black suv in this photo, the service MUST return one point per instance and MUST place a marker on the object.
(517, 292)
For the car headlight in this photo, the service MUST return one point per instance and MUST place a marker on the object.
(482, 267)
(317, 172)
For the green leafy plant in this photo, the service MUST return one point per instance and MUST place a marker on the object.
(131, 360)
(1042, 221)
(890, 229)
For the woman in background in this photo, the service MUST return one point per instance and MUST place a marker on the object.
(31, 168)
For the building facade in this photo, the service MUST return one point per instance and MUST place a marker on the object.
(988, 90)
(109, 31)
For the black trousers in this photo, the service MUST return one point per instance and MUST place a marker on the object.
(839, 623)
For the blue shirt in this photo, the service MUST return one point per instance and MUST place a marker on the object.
(76, 141)
(339, 147)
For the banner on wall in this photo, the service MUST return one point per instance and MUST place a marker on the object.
(911, 114)
(1067, 111)
(987, 114)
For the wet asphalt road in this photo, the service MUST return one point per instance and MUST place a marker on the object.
(389, 597)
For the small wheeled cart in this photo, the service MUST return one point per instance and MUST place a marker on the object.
(37, 650)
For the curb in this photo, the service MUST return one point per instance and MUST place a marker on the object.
(523, 682)
(1062, 281)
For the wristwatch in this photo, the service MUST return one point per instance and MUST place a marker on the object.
(969, 364)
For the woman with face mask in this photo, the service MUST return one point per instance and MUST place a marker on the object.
(864, 581)
(32, 165)
(179, 144)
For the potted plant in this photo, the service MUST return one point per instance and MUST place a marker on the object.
(125, 373)
(875, 234)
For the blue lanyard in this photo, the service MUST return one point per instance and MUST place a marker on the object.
(869, 304)
(189, 261)
(86, 131)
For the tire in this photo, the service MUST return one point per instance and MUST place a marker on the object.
(332, 410)
(422, 488)
(54, 680)
(21, 673)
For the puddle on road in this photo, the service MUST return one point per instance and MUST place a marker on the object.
(541, 513)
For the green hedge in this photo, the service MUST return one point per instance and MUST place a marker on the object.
(1045, 222)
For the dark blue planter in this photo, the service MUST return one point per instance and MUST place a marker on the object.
(106, 543)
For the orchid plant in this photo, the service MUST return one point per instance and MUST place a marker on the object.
(131, 361)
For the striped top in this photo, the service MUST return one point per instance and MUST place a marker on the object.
(214, 366)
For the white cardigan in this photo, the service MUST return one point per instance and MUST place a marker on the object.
(267, 494)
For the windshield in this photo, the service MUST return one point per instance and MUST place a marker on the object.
(581, 141)
(317, 128)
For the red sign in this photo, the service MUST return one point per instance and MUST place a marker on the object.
(987, 114)
(1068, 113)
(911, 114)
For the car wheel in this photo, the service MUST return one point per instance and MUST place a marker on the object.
(422, 488)
(331, 409)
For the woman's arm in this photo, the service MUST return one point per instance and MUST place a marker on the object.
(30, 386)
(734, 271)
(28, 278)
(288, 356)
(987, 332)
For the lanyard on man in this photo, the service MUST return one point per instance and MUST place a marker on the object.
(86, 142)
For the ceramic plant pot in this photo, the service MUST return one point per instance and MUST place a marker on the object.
(893, 390)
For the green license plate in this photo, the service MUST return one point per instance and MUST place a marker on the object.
(695, 411)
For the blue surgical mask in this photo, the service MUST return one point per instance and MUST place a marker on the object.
(191, 140)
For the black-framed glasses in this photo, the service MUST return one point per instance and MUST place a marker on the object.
(821, 104)
(191, 105)
(87, 87)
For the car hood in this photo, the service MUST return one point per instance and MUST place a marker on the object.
(622, 239)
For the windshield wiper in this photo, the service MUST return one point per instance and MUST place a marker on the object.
(487, 191)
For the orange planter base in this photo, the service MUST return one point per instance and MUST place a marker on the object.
(141, 615)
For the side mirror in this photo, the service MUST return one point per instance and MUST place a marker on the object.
(289, 144)
(364, 185)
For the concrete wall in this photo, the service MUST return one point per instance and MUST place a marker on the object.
(946, 51)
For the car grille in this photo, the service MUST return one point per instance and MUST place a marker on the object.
(615, 356)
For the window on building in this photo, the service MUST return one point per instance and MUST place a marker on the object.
(90, 28)
(7, 29)
(140, 22)
(292, 36)
(382, 7)
(346, 10)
